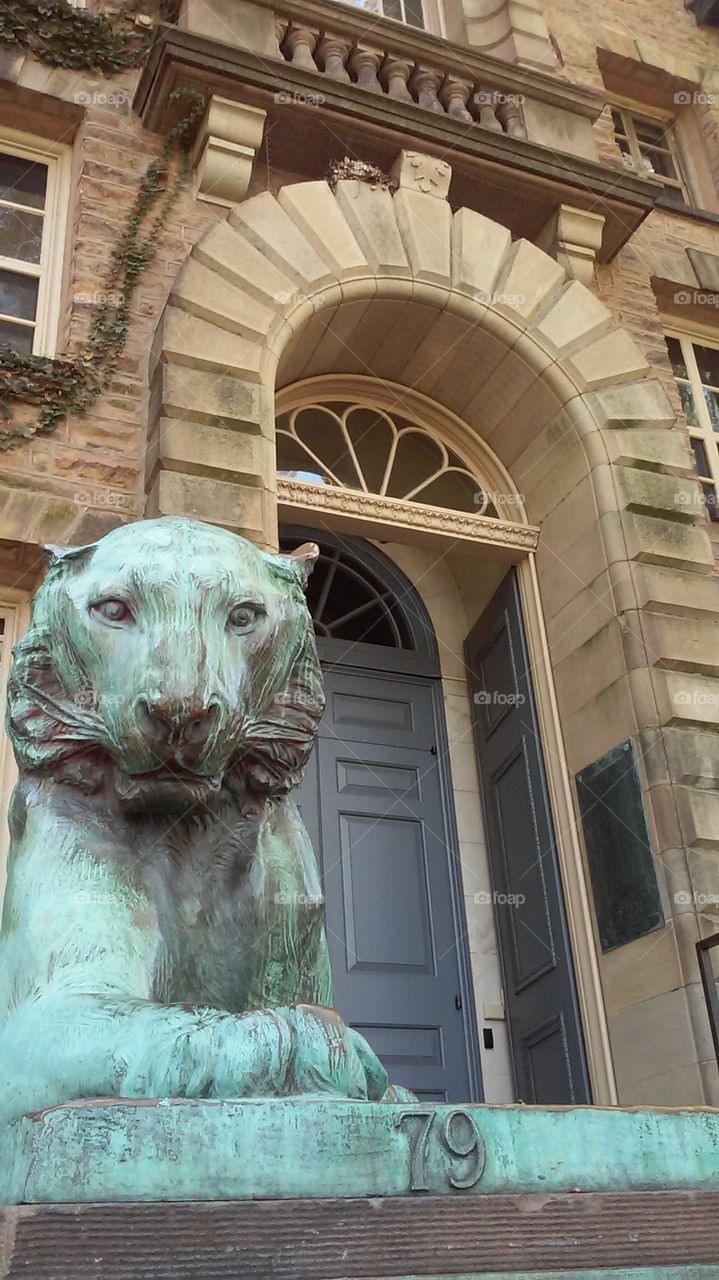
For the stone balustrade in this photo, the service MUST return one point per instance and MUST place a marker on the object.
(396, 86)
(373, 60)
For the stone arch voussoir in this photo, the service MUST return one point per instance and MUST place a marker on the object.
(568, 409)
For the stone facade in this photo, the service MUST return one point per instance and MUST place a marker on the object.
(510, 271)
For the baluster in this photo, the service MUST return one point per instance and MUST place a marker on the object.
(300, 41)
(484, 100)
(454, 95)
(395, 74)
(365, 61)
(510, 115)
(426, 82)
(332, 52)
(280, 32)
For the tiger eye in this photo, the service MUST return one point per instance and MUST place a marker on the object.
(243, 617)
(112, 610)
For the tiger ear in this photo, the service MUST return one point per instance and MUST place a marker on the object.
(55, 555)
(305, 558)
(298, 563)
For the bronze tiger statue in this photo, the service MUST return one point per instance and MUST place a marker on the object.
(163, 931)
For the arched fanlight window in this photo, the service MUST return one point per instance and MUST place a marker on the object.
(359, 600)
(375, 450)
(348, 601)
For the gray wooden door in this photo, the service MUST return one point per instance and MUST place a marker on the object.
(540, 994)
(373, 803)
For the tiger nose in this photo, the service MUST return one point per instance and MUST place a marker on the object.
(172, 724)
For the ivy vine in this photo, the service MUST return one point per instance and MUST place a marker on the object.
(58, 34)
(70, 384)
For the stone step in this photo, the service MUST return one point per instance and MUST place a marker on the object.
(663, 1235)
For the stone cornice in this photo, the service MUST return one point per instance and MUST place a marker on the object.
(392, 512)
(183, 58)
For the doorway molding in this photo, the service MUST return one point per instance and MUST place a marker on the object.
(404, 288)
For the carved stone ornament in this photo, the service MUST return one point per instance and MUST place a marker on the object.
(163, 933)
(418, 172)
(456, 524)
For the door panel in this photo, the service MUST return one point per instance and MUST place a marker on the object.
(540, 993)
(373, 803)
(386, 852)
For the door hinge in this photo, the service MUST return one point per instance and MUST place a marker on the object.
(458, 1001)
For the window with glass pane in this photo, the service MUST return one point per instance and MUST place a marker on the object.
(371, 450)
(24, 247)
(649, 147)
(696, 373)
(408, 11)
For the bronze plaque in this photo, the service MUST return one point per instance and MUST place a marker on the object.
(624, 882)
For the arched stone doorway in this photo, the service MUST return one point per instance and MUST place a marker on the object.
(405, 290)
(349, 438)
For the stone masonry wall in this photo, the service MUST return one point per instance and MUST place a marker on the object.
(638, 30)
(91, 469)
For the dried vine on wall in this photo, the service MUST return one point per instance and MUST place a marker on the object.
(65, 385)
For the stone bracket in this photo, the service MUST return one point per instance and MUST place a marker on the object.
(224, 152)
(573, 237)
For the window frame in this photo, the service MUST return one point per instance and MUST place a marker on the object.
(630, 112)
(432, 14)
(703, 431)
(49, 271)
(401, 423)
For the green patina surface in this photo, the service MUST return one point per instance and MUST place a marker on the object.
(305, 1147)
(163, 929)
(166, 1030)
